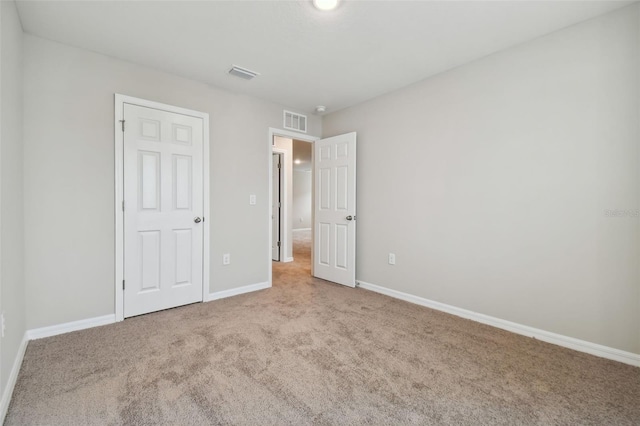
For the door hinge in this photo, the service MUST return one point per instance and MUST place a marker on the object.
(122, 284)
(278, 165)
(278, 243)
(122, 122)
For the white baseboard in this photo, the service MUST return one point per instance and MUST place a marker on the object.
(287, 259)
(54, 330)
(301, 229)
(236, 291)
(13, 377)
(546, 336)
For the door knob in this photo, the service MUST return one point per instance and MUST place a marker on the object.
(197, 220)
(349, 217)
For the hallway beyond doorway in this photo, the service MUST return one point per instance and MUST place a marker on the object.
(300, 268)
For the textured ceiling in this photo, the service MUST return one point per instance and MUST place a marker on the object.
(305, 57)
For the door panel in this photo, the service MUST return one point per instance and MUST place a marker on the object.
(182, 185)
(163, 194)
(325, 188)
(342, 246)
(184, 258)
(149, 176)
(149, 260)
(342, 191)
(323, 251)
(335, 209)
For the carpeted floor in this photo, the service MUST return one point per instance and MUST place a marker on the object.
(311, 352)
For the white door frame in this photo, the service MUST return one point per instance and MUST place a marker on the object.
(120, 100)
(287, 158)
(284, 211)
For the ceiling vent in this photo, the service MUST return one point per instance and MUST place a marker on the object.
(295, 121)
(243, 73)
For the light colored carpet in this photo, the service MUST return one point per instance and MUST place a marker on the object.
(310, 352)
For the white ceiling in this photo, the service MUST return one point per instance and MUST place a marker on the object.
(305, 57)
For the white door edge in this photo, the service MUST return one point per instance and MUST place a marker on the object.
(120, 101)
(284, 211)
(284, 207)
(281, 212)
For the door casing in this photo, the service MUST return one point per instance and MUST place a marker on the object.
(280, 153)
(120, 100)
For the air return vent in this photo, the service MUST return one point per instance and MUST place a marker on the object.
(295, 121)
(242, 72)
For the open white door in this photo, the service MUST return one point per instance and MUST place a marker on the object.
(163, 209)
(334, 255)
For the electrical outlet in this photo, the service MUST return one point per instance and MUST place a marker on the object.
(252, 199)
(226, 259)
(3, 324)
(392, 259)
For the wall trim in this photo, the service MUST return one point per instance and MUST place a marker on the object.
(67, 327)
(524, 330)
(237, 291)
(301, 229)
(13, 378)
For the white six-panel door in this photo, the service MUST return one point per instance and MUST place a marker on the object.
(334, 254)
(163, 209)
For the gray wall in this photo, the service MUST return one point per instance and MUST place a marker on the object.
(11, 221)
(490, 183)
(302, 199)
(69, 189)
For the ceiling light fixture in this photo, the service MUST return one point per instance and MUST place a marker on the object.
(243, 73)
(320, 109)
(325, 4)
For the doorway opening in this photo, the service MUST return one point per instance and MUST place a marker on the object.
(302, 203)
(291, 200)
(329, 245)
(291, 194)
